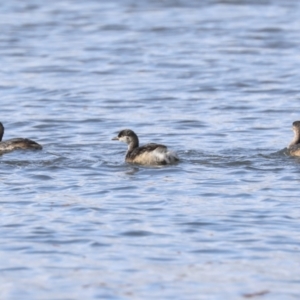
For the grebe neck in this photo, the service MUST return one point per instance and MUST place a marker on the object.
(1, 131)
(296, 139)
(134, 143)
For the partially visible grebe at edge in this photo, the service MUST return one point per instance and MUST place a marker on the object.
(17, 143)
(294, 146)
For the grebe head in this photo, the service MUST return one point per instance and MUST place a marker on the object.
(129, 137)
(296, 126)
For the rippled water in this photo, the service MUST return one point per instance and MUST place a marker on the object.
(216, 81)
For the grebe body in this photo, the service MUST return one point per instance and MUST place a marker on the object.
(17, 143)
(149, 154)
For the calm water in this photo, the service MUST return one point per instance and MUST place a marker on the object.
(216, 81)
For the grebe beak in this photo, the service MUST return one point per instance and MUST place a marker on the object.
(115, 138)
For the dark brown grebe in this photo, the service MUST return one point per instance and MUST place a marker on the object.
(149, 154)
(294, 146)
(14, 144)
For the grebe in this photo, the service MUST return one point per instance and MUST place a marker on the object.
(294, 146)
(149, 154)
(14, 144)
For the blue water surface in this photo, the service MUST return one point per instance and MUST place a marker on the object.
(215, 80)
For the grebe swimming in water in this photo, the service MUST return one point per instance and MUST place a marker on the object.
(294, 146)
(149, 154)
(14, 144)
